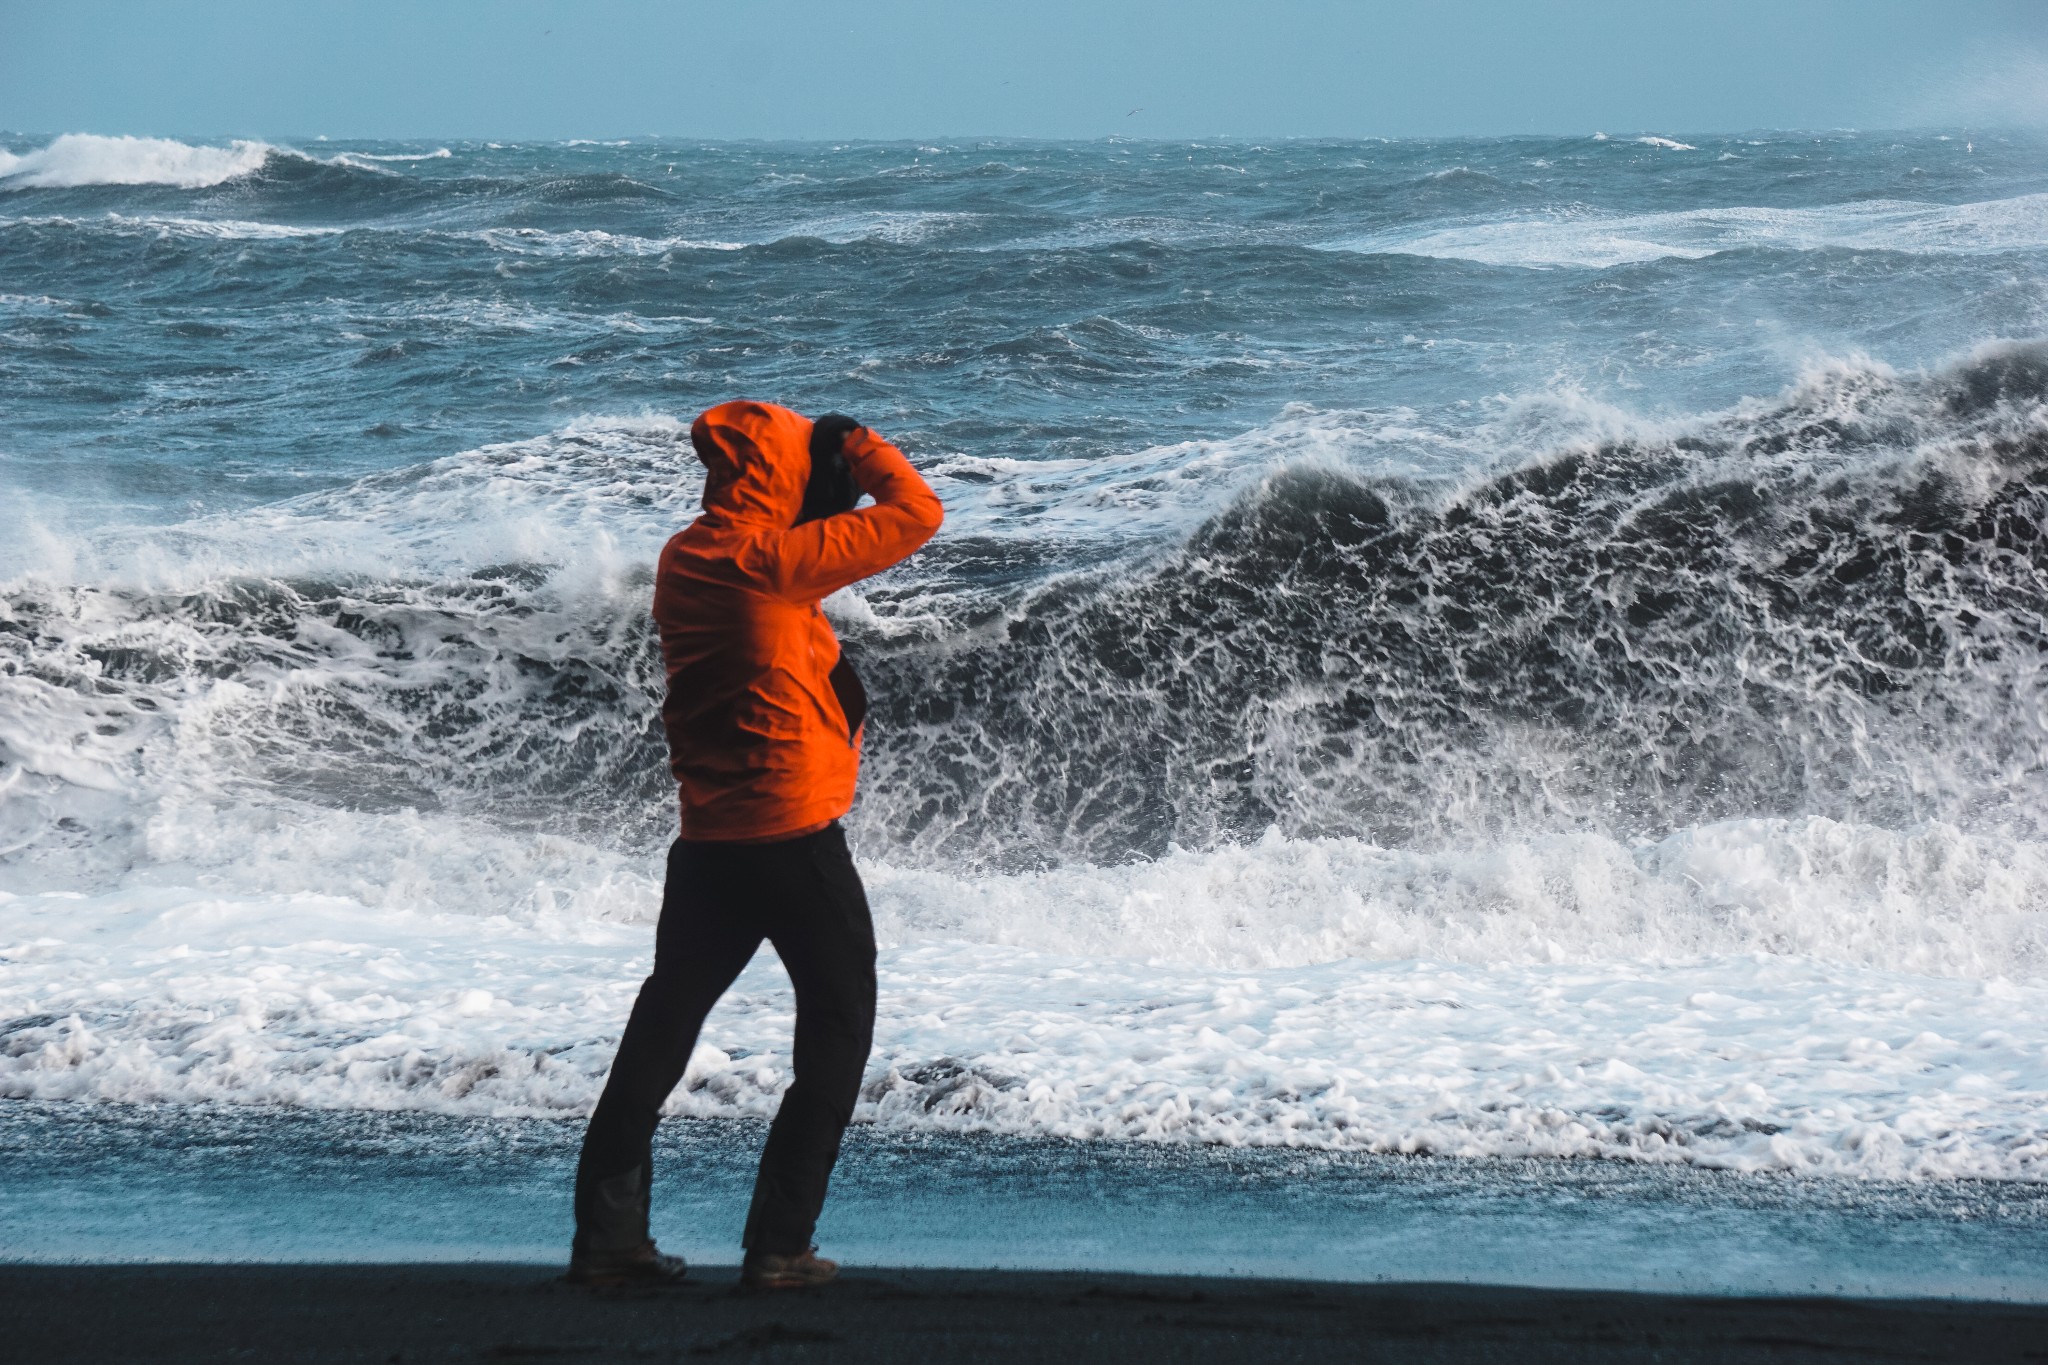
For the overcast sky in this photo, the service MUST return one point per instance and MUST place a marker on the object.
(1029, 68)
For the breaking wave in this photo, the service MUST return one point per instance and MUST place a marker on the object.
(1830, 606)
(1596, 240)
(79, 159)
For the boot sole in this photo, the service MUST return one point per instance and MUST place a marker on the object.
(771, 1284)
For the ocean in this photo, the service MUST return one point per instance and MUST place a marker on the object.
(1517, 650)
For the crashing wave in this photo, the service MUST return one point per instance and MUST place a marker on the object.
(1831, 605)
(78, 159)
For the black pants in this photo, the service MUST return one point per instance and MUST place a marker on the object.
(720, 901)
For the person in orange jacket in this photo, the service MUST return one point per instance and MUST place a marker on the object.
(763, 718)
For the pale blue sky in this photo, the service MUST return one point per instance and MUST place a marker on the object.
(1043, 68)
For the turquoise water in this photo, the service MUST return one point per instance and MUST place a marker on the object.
(241, 1186)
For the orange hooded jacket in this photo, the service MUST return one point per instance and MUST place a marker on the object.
(758, 739)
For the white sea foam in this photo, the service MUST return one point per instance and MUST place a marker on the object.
(554, 500)
(1197, 1003)
(841, 229)
(1163, 490)
(882, 225)
(1600, 240)
(175, 225)
(76, 159)
(350, 158)
(512, 241)
(35, 301)
(1805, 995)
(1670, 144)
(592, 242)
(1932, 900)
(608, 489)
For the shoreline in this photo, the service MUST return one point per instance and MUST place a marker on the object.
(169, 1185)
(56, 1314)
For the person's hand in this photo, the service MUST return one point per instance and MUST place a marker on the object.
(830, 432)
(831, 488)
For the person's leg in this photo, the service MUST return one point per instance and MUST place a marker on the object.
(707, 933)
(821, 928)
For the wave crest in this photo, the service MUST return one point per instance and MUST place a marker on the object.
(1830, 605)
(1835, 604)
(79, 159)
(1597, 241)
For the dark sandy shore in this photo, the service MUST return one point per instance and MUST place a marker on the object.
(404, 1314)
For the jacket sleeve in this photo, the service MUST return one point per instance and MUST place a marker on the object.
(820, 557)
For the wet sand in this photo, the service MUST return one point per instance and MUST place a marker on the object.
(415, 1313)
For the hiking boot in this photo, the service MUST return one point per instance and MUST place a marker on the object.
(804, 1270)
(642, 1265)
(612, 1244)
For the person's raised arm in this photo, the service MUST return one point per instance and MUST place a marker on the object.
(820, 557)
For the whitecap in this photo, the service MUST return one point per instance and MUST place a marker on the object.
(438, 154)
(1587, 239)
(586, 242)
(78, 159)
(172, 225)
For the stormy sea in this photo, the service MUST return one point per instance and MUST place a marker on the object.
(1473, 693)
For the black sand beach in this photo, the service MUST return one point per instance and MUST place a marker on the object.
(412, 1313)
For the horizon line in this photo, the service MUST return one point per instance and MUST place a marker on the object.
(879, 140)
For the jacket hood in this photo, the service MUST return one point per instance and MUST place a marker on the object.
(757, 459)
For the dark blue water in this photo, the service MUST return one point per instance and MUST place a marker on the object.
(1022, 300)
